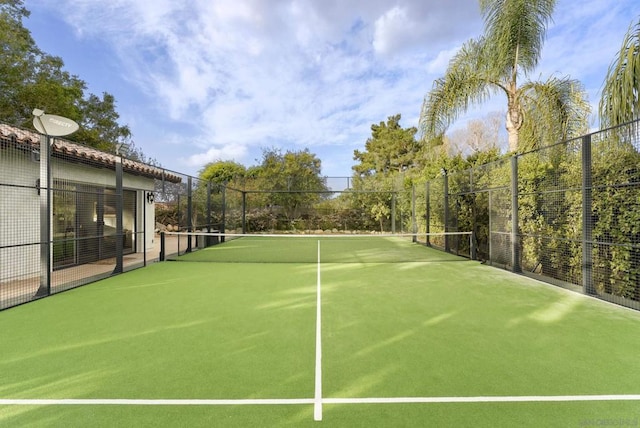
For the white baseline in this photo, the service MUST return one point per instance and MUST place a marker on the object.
(299, 401)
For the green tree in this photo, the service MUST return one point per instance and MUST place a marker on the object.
(50, 88)
(293, 170)
(620, 102)
(616, 217)
(511, 46)
(99, 126)
(16, 55)
(222, 172)
(211, 191)
(293, 184)
(371, 199)
(391, 154)
(390, 148)
(31, 78)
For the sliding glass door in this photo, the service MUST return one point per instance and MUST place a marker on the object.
(84, 224)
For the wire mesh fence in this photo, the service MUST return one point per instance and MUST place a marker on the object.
(568, 214)
(70, 215)
(313, 211)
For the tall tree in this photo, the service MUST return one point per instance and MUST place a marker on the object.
(292, 170)
(31, 78)
(510, 47)
(390, 148)
(99, 126)
(620, 100)
(293, 177)
(222, 172)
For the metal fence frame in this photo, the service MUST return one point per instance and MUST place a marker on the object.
(564, 249)
(71, 215)
(499, 202)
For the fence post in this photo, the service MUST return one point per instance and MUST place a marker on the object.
(515, 238)
(446, 211)
(244, 212)
(224, 211)
(490, 232)
(144, 230)
(45, 216)
(414, 224)
(209, 206)
(473, 254)
(428, 213)
(587, 223)
(179, 214)
(119, 208)
(209, 239)
(393, 212)
(189, 212)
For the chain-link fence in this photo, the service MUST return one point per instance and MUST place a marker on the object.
(568, 214)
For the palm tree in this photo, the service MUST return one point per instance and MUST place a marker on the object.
(620, 102)
(511, 46)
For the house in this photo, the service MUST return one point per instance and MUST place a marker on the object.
(83, 204)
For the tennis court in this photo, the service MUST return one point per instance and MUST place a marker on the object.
(315, 331)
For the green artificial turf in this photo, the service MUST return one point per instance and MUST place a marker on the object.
(247, 331)
(304, 249)
(161, 332)
(466, 329)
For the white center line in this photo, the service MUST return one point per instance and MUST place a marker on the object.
(317, 405)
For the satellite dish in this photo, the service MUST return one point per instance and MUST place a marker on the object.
(52, 125)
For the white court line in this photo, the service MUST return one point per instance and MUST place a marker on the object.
(317, 404)
(483, 399)
(289, 401)
(151, 402)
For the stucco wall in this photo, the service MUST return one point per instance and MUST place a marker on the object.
(19, 215)
(20, 207)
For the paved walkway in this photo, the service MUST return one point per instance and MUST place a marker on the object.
(17, 291)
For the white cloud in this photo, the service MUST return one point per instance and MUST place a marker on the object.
(391, 29)
(431, 25)
(235, 152)
(438, 66)
(238, 75)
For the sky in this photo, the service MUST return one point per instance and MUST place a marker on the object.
(209, 80)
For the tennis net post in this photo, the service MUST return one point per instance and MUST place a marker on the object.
(162, 257)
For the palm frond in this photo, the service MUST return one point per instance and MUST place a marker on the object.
(556, 109)
(620, 102)
(466, 82)
(516, 30)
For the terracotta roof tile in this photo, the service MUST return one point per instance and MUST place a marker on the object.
(27, 138)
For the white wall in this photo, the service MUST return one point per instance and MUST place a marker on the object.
(19, 215)
(20, 207)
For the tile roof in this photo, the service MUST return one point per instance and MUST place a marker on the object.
(31, 139)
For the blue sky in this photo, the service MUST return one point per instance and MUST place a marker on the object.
(205, 80)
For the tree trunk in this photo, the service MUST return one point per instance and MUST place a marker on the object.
(514, 121)
(513, 137)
